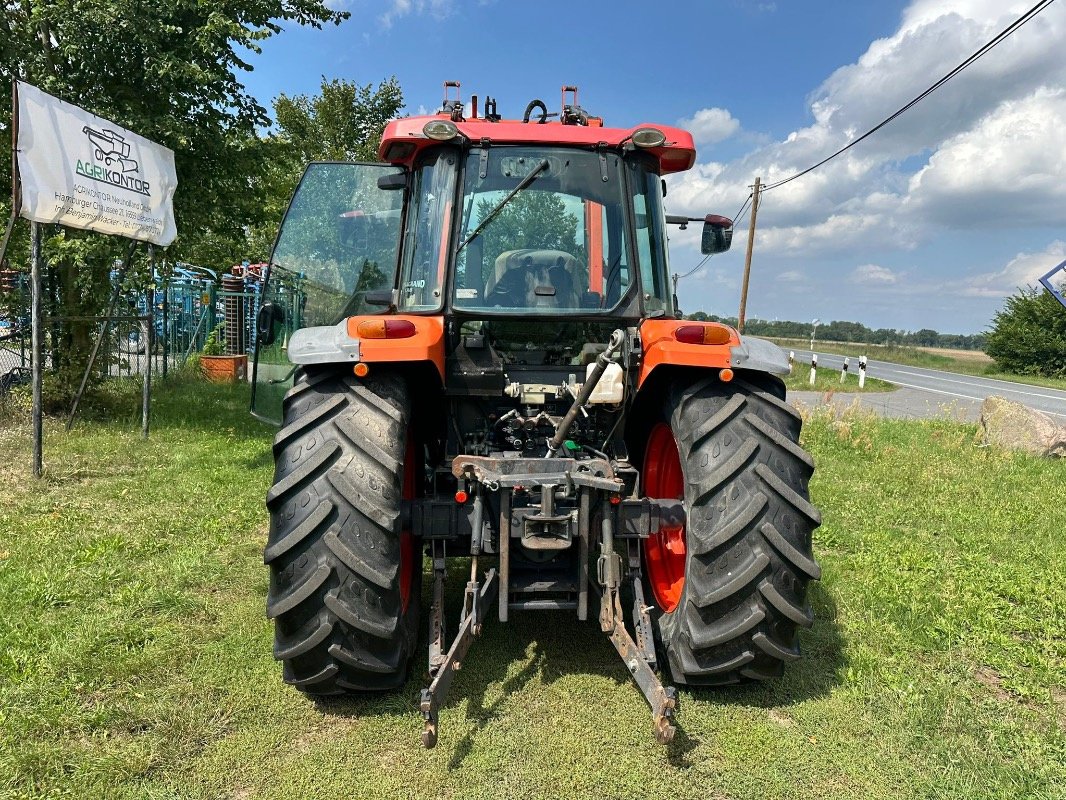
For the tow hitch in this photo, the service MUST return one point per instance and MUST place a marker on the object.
(585, 483)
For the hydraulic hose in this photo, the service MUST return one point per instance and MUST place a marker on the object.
(613, 346)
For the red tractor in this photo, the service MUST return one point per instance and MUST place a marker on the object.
(490, 365)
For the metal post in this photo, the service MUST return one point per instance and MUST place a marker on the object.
(166, 320)
(747, 258)
(146, 391)
(36, 349)
(505, 553)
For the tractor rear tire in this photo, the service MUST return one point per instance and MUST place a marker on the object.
(747, 557)
(344, 580)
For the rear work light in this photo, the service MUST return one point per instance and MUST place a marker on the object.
(703, 334)
(440, 129)
(385, 329)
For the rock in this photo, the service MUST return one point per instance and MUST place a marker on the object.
(1013, 426)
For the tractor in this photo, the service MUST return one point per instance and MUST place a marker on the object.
(486, 362)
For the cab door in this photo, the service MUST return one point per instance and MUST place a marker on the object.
(339, 239)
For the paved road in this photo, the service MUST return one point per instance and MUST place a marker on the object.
(930, 392)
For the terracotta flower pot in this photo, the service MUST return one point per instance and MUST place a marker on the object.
(224, 369)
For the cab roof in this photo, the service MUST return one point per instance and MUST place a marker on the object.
(403, 139)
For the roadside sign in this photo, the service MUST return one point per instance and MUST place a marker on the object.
(83, 171)
(1046, 281)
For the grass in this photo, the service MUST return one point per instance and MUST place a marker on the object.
(135, 655)
(828, 380)
(945, 360)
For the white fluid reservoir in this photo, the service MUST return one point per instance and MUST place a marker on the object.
(611, 388)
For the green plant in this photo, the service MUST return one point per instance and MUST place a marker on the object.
(213, 346)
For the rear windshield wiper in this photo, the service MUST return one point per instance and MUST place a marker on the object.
(532, 176)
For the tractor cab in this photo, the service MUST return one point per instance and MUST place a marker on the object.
(485, 222)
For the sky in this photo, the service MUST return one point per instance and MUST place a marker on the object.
(930, 223)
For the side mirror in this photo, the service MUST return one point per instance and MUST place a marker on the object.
(392, 181)
(381, 297)
(717, 234)
(269, 313)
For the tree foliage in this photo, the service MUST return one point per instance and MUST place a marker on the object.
(842, 331)
(1028, 335)
(168, 71)
(344, 122)
(532, 219)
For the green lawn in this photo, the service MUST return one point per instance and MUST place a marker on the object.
(135, 656)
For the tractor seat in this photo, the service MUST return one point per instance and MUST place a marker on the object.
(517, 273)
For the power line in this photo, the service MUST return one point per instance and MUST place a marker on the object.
(1024, 18)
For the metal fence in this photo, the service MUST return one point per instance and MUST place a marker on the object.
(169, 324)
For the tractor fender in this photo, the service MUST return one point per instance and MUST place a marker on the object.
(661, 347)
(759, 355)
(342, 343)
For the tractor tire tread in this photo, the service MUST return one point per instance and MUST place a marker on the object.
(749, 523)
(334, 544)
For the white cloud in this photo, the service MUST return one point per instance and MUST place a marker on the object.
(1025, 269)
(710, 125)
(986, 149)
(790, 276)
(1009, 168)
(873, 274)
(438, 9)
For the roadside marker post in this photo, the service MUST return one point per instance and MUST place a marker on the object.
(814, 367)
(844, 370)
(791, 358)
(862, 371)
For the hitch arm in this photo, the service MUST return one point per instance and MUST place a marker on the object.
(433, 698)
(638, 658)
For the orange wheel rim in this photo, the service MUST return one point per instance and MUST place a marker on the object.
(664, 552)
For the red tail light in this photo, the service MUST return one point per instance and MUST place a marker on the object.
(386, 329)
(703, 334)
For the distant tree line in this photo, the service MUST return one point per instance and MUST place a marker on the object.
(842, 331)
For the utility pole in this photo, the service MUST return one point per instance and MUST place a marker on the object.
(747, 258)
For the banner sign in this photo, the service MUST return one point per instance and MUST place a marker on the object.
(80, 170)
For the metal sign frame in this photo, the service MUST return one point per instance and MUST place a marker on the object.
(1046, 282)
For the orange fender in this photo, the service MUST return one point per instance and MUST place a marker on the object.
(661, 346)
(425, 344)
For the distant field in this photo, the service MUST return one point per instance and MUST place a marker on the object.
(135, 654)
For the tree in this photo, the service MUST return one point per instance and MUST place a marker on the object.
(532, 219)
(1028, 335)
(173, 79)
(344, 122)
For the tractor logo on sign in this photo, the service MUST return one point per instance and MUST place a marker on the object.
(112, 163)
(111, 148)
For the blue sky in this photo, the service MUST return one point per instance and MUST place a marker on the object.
(930, 223)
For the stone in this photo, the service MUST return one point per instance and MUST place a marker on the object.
(1014, 426)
